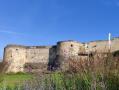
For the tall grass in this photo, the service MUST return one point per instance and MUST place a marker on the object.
(13, 81)
(100, 72)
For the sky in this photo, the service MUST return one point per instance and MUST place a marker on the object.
(44, 22)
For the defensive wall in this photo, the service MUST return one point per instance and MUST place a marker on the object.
(15, 56)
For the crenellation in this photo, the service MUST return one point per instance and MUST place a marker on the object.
(17, 56)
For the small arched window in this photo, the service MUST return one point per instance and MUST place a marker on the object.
(78, 54)
(71, 45)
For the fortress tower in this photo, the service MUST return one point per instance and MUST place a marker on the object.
(16, 56)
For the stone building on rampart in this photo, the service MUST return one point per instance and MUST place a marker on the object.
(16, 56)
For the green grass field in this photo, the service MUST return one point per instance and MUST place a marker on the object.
(11, 80)
(99, 73)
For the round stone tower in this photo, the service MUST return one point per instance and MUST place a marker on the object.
(68, 50)
(15, 58)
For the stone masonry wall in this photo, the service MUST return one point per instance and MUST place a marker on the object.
(102, 46)
(67, 50)
(37, 54)
(15, 56)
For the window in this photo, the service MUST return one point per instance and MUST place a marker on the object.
(78, 54)
(94, 46)
(82, 54)
(71, 45)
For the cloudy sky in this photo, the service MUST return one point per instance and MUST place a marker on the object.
(44, 22)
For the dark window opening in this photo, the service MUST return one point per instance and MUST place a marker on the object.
(81, 54)
(91, 55)
(16, 49)
(71, 45)
(95, 46)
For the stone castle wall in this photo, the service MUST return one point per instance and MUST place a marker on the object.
(54, 56)
(15, 57)
(69, 49)
(102, 46)
(37, 54)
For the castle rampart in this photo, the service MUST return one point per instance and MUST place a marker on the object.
(15, 57)
(54, 56)
(102, 46)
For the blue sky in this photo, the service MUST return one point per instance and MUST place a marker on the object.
(44, 22)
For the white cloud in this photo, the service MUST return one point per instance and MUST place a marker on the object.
(10, 32)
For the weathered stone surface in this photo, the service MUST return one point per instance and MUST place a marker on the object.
(102, 46)
(16, 56)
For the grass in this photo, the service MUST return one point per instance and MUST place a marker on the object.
(100, 72)
(11, 80)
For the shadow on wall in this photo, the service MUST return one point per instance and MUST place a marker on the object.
(35, 67)
(53, 63)
(116, 53)
(53, 59)
(0, 66)
(4, 66)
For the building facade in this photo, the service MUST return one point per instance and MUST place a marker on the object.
(16, 56)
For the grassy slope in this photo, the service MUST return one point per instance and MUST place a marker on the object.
(11, 80)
